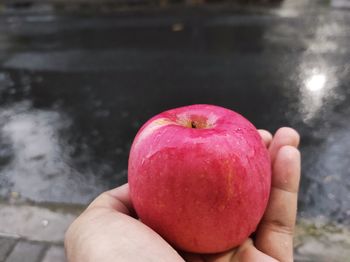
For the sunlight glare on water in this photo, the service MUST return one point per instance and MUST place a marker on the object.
(316, 83)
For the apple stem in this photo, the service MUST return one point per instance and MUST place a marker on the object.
(193, 124)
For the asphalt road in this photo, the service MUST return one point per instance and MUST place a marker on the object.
(75, 89)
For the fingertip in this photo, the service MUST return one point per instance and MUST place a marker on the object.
(289, 134)
(266, 136)
(284, 136)
(289, 153)
(117, 199)
(121, 190)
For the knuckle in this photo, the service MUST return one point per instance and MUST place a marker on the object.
(279, 227)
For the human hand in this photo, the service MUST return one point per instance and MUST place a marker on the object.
(108, 229)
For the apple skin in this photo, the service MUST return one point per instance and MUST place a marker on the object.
(200, 176)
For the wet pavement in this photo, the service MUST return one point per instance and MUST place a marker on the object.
(75, 89)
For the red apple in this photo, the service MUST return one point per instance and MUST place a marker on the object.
(200, 176)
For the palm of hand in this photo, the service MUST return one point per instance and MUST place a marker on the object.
(108, 231)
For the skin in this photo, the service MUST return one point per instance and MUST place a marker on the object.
(109, 231)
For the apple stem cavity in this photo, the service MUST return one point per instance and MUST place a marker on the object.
(194, 121)
(198, 122)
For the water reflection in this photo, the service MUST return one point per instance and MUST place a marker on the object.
(327, 169)
(316, 91)
(315, 83)
(40, 167)
(318, 80)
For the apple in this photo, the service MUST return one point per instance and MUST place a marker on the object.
(200, 176)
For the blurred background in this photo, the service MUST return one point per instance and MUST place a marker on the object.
(78, 78)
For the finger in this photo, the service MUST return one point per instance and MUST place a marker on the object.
(275, 233)
(191, 257)
(283, 136)
(117, 199)
(248, 252)
(266, 136)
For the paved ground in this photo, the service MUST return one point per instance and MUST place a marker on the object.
(36, 233)
(29, 251)
(32, 233)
